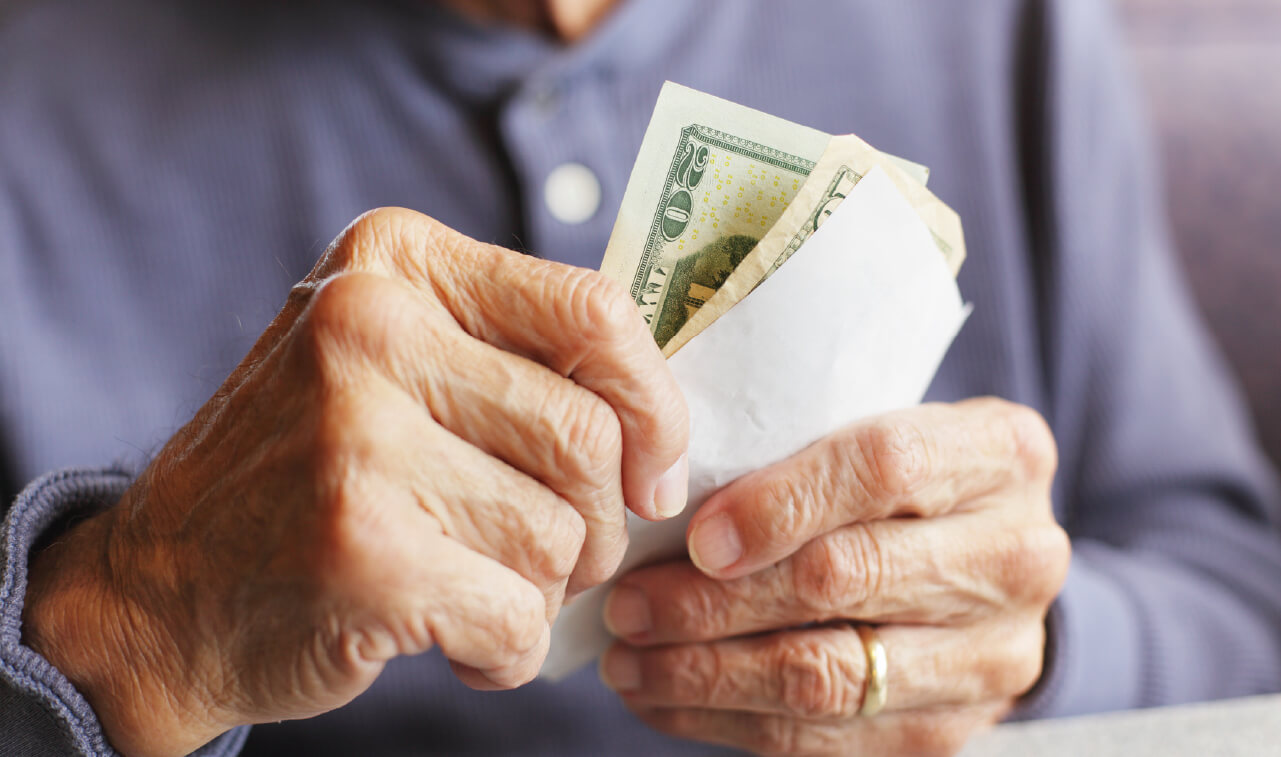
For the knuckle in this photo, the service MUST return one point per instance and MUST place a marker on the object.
(396, 242)
(346, 547)
(339, 304)
(693, 673)
(338, 454)
(519, 625)
(1055, 551)
(362, 245)
(1023, 668)
(551, 534)
(606, 557)
(347, 441)
(784, 507)
(352, 314)
(591, 438)
(569, 532)
(600, 305)
(893, 458)
(816, 680)
(838, 572)
(1033, 441)
(694, 612)
(1034, 563)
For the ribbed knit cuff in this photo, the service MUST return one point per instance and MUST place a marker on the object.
(1093, 649)
(53, 500)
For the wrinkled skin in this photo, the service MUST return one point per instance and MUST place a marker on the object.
(934, 524)
(431, 445)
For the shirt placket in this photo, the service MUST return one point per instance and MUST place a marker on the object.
(569, 171)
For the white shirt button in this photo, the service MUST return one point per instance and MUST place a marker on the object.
(572, 193)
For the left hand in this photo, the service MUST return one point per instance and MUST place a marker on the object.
(932, 524)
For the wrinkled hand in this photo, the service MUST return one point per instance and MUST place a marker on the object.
(430, 445)
(932, 524)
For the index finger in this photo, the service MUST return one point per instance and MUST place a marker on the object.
(920, 462)
(576, 322)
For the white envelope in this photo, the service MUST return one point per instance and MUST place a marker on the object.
(855, 324)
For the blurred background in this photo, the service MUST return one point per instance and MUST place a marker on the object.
(1212, 72)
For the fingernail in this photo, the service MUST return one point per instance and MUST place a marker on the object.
(620, 670)
(627, 612)
(715, 544)
(672, 491)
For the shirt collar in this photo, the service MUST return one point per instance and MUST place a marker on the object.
(486, 62)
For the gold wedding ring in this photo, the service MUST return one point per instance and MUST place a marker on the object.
(876, 689)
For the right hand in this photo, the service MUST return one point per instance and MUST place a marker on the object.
(430, 445)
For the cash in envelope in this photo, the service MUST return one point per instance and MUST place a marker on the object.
(850, 264)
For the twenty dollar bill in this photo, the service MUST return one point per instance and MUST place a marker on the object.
(723, 193)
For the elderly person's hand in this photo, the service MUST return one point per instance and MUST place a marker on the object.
(932, 525)
(430, 445)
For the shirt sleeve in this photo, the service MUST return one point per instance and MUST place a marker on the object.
(1174, 593)
(41, 713)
